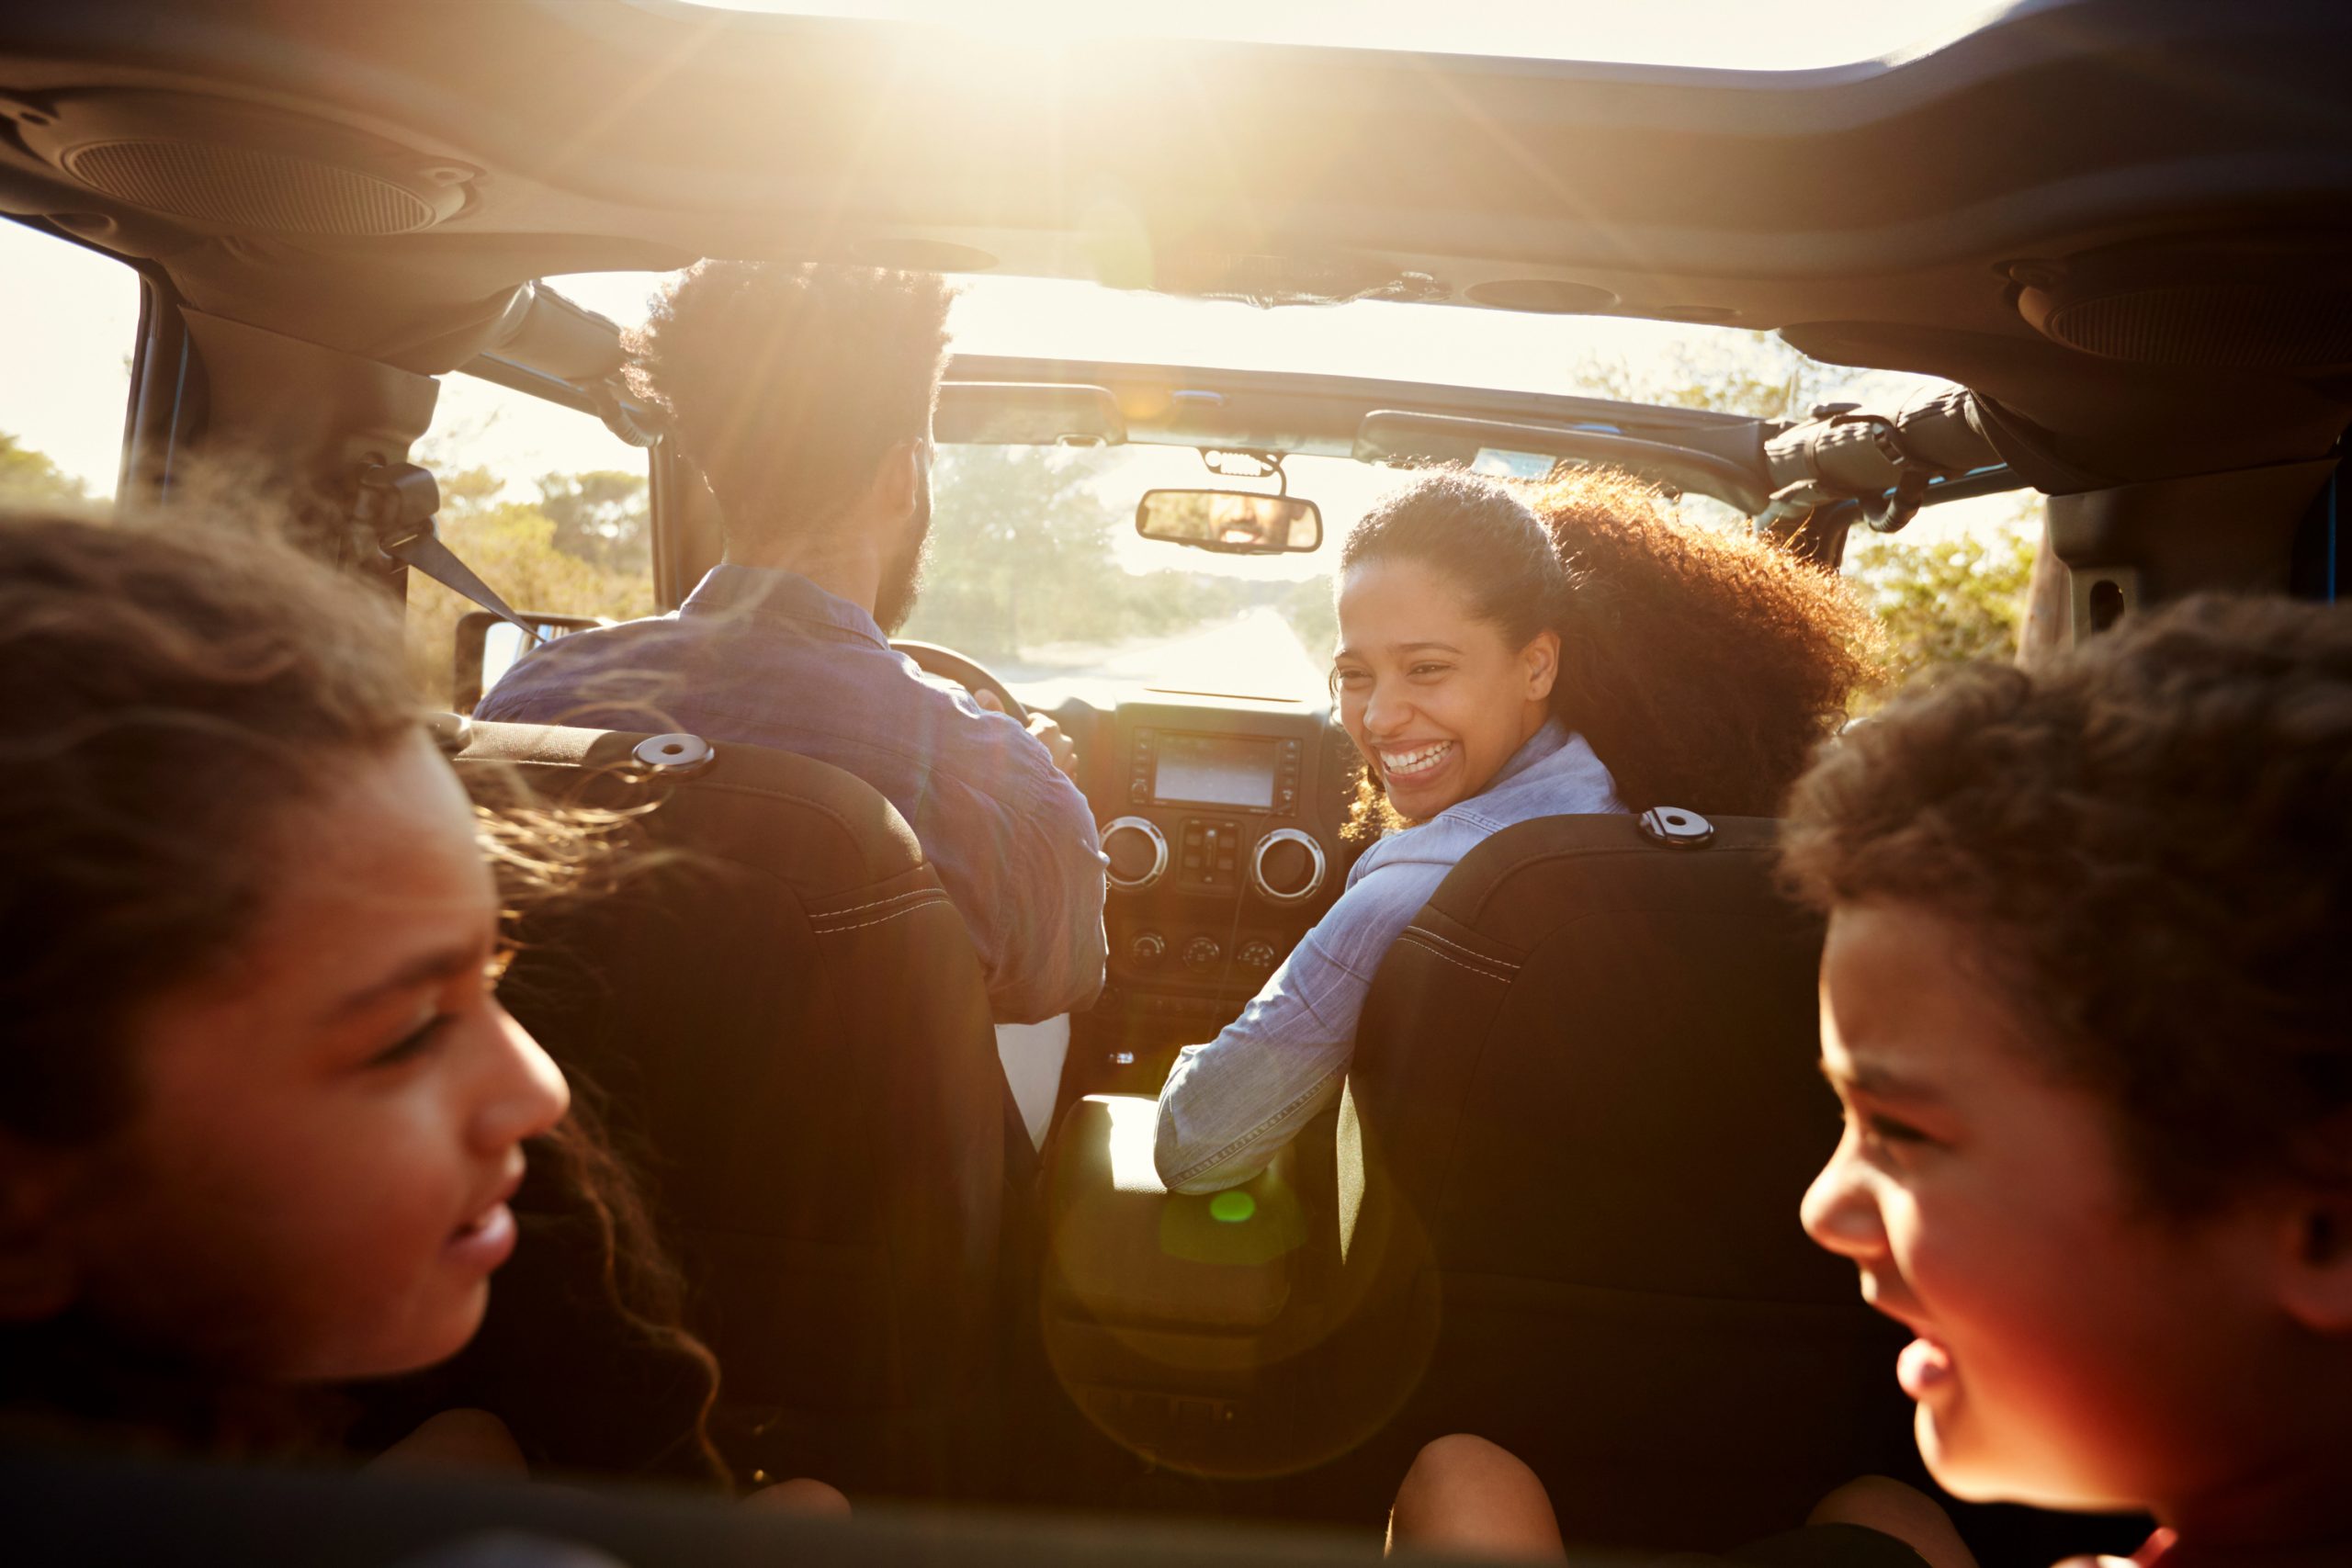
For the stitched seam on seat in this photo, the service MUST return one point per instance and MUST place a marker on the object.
(1448, 958)
(877, 903)
(1425, 934)
(878, 919)
(833, 922)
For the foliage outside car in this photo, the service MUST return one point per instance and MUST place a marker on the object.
(29, 478)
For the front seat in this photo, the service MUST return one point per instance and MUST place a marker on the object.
(1583, 1109)
(786, 1027)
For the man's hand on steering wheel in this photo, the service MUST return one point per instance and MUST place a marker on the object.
(1060, 747)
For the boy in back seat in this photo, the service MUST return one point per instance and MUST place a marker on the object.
(2086, 997)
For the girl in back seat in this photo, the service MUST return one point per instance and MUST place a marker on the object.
(1507, 652)
(261, 1115)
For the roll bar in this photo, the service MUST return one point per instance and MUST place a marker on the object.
(1884, 466)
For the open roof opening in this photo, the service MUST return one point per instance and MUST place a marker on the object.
(1716, 34)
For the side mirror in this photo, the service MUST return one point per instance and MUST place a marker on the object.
(1233, 522)
(488, 645)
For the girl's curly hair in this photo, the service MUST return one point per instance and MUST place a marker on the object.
(2150, 846)
(171, 692)
(1703, 665)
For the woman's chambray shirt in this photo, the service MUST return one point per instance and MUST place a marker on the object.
(1228, 1105)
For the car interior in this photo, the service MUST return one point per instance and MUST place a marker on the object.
(2114, 234)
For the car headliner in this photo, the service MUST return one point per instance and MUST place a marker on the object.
(1874, 214)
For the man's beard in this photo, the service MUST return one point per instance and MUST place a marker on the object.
(894, 601)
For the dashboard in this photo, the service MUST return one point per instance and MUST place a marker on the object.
(1220, 819)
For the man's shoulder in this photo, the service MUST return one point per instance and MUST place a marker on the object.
(846, 702)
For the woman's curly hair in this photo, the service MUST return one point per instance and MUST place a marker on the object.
(785, 384)
(173, 691)
(2150, 844)
(1703, 665)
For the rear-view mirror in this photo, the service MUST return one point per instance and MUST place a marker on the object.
(488, 645)
(1239, 523)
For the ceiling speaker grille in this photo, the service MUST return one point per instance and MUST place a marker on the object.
(242, 189)
(2248, 326)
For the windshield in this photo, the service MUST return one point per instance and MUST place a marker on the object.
(1037, 571)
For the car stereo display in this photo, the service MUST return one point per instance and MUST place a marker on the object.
(1215, 770)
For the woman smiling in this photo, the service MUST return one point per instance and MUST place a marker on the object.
(1509, 652)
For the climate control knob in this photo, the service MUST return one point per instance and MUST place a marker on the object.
(1259, 954)
(1202, 953)
(1148, 948)
(1137, 852)
(1286, 866)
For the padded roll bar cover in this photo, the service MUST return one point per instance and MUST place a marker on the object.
(786, 1022)
(1589, 1105)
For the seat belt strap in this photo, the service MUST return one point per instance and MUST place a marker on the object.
(396, 508)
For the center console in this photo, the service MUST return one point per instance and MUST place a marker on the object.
(1223, 848)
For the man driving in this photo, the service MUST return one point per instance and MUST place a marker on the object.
(804, 396)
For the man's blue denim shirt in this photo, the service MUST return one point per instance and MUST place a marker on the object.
(1229, 1105)
(767, 658)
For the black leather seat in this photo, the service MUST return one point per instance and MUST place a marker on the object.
(787, 1027)
(1583, 1109)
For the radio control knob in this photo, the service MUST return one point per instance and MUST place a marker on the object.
(1148, 948)
(1202, 953)
(1260, 954)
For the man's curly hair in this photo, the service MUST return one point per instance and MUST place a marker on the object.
(2152, 844)
(785, 384)
(1703, 666)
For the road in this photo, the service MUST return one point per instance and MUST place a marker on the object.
(1253, 655)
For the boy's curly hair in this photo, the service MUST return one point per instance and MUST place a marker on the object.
(787, 383)
(1703, 665)
(2152, 844)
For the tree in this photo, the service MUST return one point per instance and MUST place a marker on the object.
(1754, 374)
(1947, 603)
(1023, 553)
(29, 477)
(516, 547)
(1938, 603)
(604, 516)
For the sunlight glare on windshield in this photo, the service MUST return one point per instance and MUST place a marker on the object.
(1718, 34)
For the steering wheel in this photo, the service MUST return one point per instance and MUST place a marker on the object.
(933, 659)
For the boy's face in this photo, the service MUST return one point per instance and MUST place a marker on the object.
(2076, 1348)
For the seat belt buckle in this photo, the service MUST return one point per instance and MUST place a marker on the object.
(396, 505)
(394, 510)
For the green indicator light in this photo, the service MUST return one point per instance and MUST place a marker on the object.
(1232, 1207)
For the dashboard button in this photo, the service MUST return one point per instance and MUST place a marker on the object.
(1148, 948)
(1202, 953)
